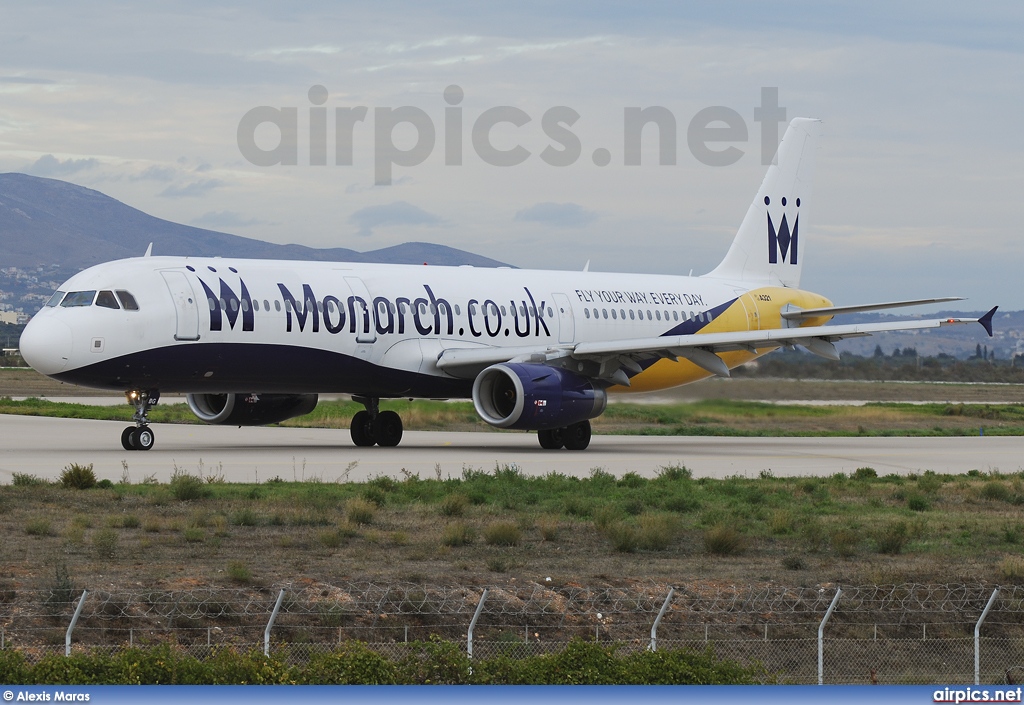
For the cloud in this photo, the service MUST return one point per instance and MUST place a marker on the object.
(560, 215)
(397, 213)
(225, 219)
(192, 190)
(155, 173)
(27, 80)
(49, 165)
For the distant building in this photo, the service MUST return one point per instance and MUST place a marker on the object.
(11, 317)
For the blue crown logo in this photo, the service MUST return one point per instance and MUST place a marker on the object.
(782, 242)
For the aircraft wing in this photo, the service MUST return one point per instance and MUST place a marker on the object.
(700, 348)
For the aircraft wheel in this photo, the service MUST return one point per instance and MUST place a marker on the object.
(577, 436)
(126, 438)
(552, 438)
(142, 438)
(387, 429)
(362, 433)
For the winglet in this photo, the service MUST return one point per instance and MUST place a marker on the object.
(986, 321)
(149, 251)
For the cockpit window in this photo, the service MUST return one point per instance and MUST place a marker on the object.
(78, 298)
(127, 301)
(55, 299)
(106, 300)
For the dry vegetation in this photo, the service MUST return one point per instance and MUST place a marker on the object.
(495, 526)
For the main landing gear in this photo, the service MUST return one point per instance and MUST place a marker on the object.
(375, 427)
(140, 436)
(572, 437)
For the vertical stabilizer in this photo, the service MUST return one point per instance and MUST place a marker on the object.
(768, 249)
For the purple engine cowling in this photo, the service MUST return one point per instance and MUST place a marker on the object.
(250, 409)
(535, 397)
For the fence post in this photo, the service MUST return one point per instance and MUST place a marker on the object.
(270, 624)
(821, 637)
(977, 637)
(657, 621)
(472, 624)
(74, 621)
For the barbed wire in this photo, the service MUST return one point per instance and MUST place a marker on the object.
(367, 600)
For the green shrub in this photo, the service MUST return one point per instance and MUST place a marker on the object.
(892, 538)
(457, 534)
(78, 477)
(454, 505)
(503, 533)
(723, 540)
(657, 531)
(246, 516)
(194, 534)
(631, 480)
(351, 664)
(918, 503)
(995, 491)
(104, 543)
(845, 541)
(623, 537)
(548, 527)
(674, 473)
(576, 506)
(605, 516)
(239, 572)
(188, 488)
(24, 479)
(865, 474)
(38, 526)
(360, 511)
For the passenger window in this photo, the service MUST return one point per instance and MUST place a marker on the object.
(649, 316)
(551, 313)
(245, 304)
(78, 298)
(106, 300)
(604, 312)
(586, 312)
(55, 299)
(266, 305)
(657, 315)
(675, 315)
(632, 314)
(277, 306)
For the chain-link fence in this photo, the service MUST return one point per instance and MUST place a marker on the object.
(886, 634)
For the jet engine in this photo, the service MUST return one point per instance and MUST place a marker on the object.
(250, 409)
(535, 397)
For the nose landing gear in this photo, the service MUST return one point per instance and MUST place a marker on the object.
(140, 436)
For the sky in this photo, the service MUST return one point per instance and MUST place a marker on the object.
(919, 173)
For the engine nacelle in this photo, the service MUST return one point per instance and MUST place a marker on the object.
(535, 397)
(250, 409)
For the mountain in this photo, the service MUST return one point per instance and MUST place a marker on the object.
(49, 222)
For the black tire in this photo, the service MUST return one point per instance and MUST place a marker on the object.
(577, 436)
(143, 438)
(126, 438)
(387, 429)
(362, 433)
(552, 438)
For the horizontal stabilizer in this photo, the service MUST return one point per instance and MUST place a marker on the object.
(861, 308)
(986, 321)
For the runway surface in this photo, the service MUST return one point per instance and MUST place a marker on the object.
(43, 447)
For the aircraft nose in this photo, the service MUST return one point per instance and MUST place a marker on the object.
(46, 345)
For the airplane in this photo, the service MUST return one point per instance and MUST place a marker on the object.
(254, 342)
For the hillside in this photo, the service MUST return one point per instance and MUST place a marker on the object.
(50, 229)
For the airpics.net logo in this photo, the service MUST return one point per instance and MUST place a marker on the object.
(712, 134)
